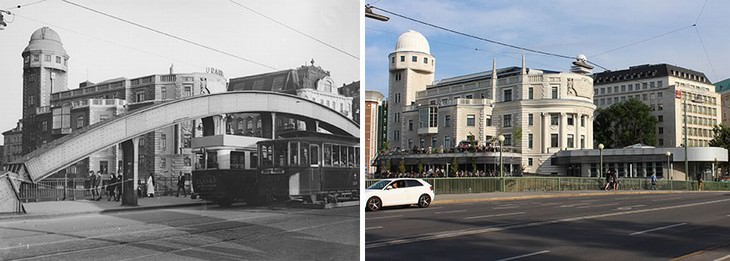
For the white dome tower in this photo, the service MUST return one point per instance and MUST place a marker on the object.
(411, 68)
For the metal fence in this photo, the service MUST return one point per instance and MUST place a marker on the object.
(54, 189)
(525, 184)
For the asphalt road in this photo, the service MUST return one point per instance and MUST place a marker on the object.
(686, 226)
(196, 233)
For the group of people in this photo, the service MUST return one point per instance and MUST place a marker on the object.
(95, 185)
(611, 180)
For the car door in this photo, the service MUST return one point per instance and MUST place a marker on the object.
(393, 196)
(415, 189)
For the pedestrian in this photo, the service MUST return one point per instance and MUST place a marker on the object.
(151, 186)
(699, 182)
(181, 185)
(609, 182)
(92, 183)
(111, 187)
(653, 181)
(98, 185)
(119, 187)
(615, 180)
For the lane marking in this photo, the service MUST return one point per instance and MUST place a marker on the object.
(597, 206)
(495, 215)
(449, 212)
(467, 232)
(630, 207)
(722, 258)
(574, 205)
(498, 208)
(384, 217)
(525, 255)
(655, 229)
(369, 228)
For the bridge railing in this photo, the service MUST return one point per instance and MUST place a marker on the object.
(77, 189)
(529, 184)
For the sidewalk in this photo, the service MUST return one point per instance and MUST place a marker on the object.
(47, 209)
(499, 196)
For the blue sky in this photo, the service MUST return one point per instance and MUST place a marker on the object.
(568, 27)
(102, 48)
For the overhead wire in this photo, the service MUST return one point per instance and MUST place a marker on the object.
(25, 5)
(294, 29)
(482, 38)
(170, 35)
(644, 40)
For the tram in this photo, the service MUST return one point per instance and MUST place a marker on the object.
(299, 166)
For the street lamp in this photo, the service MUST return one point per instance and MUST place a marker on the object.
(669, 170)
(501, 173)
(600, 167)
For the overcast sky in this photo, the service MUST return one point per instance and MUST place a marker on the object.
(568, 27)
(101, 48)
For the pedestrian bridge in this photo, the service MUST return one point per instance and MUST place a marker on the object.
(68, 150)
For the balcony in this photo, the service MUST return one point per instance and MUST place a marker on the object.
(41, 110)
(428, 130)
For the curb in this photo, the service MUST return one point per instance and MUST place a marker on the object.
(584, 194)
(9, 217)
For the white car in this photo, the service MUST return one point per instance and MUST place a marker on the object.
(402, 191)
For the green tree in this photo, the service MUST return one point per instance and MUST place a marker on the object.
(454, 166)
(402, 166)
(517, 137)
(420, 166)
(722, 137)
(624, 124)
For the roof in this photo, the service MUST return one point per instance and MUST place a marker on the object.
(501, 73)
(646, 71)
(722, 86)
(45, 39)
(412, 41)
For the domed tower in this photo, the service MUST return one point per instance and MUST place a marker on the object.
(45, 64)
(411, 70)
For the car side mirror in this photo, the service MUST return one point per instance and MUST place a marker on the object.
(388, 187)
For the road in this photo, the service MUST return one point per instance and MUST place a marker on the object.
(685, 226)
(194, 233)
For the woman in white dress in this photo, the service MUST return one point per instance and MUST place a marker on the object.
(150, 187)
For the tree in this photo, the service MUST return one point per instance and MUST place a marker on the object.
(454, 166)
(402, 166)
(624, 124)
(420, 166)
(722, 137)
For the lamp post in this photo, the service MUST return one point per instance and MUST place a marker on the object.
(600, 167)
(686, 144)
(669, 170)
(501, 173)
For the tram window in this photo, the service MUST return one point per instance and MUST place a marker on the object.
(350, 156)
(280, 154)
(294, 153)
(357, 156)
(314, 151)
(267, 155)
(304, 153)
(328, 154)
(335, 155)
(238, 160)
(212, 160)
(254, 160)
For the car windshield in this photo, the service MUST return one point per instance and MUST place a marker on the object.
(380, 184)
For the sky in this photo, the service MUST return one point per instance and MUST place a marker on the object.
(614, 34)
(101, 48)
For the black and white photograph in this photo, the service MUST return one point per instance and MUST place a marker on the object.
(180, 130)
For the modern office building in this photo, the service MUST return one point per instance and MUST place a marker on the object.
(665, 88)
(372, 121)
(538, 112)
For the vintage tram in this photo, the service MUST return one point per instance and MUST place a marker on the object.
(299, 166)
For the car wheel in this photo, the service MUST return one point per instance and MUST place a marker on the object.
(374, 204)
(424, 201)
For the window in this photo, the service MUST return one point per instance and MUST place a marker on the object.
(554, 119)
(507, 95)
(80, 122)
(433, 116)
(433, 142)
(410, 125)
(188, 91)
(447, 142)
(48, 58)
(425, 60)
(570, 120)
(571, 139)
(163, 93)
(163, 162)
(414, 58)
(36, 57)
(58, 59)
(555, 92)
(238, 160)
(163, 141)
(530, 93)
(661, 130)
(470, 120)
(530, 119)
(44, 125)
(507, 121)
(554, 141)
(582, 141)
(529, 140)
(392, 59)
(314, 152)
(489, 121)
(660, 118)
(582, 121)
(140, 96)
(402, 58)
(529, 161)
(447, 120)
(26, 59)
(507, 140)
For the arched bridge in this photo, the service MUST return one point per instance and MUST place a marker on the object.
(66, 151)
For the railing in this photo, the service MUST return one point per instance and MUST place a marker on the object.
(525, 184)
(53, 189)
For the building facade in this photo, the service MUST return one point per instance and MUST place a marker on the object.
(13, 141)
(538, 112)
(723, 88)
(372, 121)
(665, 88)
